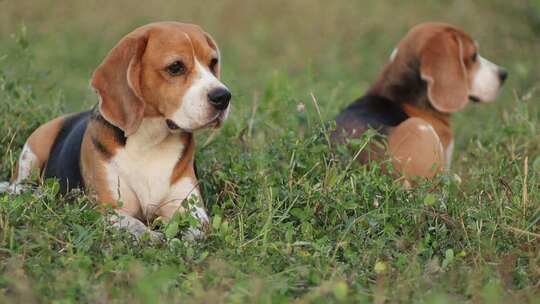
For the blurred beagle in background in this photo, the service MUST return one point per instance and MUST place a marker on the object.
(135, 149)
(434, 71)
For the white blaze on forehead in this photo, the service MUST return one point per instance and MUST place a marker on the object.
(195, 110)
(486, 81)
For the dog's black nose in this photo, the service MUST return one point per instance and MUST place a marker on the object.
(219, 98)
(503, 75)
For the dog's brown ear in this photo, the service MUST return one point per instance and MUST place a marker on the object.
(442, 67)
(117, 82)
(212, 43)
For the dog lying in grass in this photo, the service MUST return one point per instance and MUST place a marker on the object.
(433, 72)
(135, 150)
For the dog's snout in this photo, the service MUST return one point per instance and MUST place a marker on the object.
(503, 75)
(219, 98)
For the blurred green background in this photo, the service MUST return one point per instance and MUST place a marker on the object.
(275, 53)
(331, 48)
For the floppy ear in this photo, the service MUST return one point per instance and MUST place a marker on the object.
(214, 46)
(117, 82)
(442, 67)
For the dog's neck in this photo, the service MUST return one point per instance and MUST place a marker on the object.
(153, 132)
(402, 83)
(153, 139)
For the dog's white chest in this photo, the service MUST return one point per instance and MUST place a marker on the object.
(142, 170)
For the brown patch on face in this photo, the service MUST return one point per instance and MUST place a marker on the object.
(170, 44)
(159, 60)
(433, 66)
(184, 166)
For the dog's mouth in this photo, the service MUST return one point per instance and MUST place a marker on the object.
(213, 123)
(474, 99)
(172, 125)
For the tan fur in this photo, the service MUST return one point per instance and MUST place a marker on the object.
(416, 149)
(93, 162)
(184, 166)
(439, 121)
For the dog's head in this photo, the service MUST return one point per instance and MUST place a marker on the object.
(447, 61)
(165, 69)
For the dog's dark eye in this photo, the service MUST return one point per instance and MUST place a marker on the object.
(177, 68)
(213, 65)
(474, 57)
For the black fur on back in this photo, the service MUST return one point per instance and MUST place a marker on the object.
(374, 112)
(64, 158)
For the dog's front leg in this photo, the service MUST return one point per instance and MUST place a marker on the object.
(134, 226)
(185, 197)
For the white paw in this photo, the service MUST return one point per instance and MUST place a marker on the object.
(197, 233)
(155, 236)
(18, 188)
(200, 214)
(135, 227)
(13, 188)
(193, 234)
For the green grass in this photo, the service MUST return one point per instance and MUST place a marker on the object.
(292, 219)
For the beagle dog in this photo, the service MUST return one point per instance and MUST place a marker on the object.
(434, 71)
(135, 149)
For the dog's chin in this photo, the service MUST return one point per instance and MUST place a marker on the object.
(216, 123)
(213, 123)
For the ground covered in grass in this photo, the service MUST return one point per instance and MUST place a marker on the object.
(293, 220)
